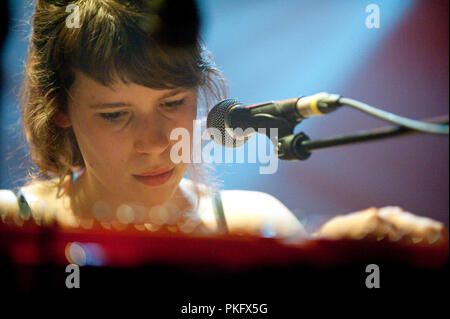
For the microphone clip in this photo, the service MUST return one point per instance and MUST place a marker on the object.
(291, 147)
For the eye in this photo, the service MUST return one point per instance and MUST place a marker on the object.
(174, 104)
(112, 117)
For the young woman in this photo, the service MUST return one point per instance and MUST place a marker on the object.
(100, 101)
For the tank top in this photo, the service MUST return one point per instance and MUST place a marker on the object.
(25, 209)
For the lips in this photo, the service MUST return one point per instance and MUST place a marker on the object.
(155, 177)
(155, 172)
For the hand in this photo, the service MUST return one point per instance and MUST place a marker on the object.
(388, 223)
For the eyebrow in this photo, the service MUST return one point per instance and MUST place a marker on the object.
(108, 105)
(122, 104)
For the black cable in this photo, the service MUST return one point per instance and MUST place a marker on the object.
(421, 126)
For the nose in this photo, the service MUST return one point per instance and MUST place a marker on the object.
(151, 136)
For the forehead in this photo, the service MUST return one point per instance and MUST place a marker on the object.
(84, 85)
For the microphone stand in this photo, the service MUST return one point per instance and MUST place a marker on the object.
(299, 146)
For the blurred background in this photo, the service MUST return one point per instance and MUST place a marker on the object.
(271, 50)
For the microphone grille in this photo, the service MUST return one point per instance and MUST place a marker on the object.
(215, 123)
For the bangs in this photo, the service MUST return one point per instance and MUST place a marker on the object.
(114, 41)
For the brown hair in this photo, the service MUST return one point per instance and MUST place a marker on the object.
(115, 37)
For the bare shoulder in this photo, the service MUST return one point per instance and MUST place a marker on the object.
(9, 206)
(250, 212)
(259, 213)
(39, 191)
(42, 197)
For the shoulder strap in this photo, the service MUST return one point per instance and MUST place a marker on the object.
(218, 212)
(24, 208)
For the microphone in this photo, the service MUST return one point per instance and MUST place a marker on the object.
(230, 123)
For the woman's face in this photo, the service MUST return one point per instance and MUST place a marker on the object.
(123, 132)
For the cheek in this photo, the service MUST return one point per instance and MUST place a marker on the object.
(185, 123)
(186, 120)
(100, 149)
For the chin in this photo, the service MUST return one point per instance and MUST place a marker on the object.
(155, 194)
